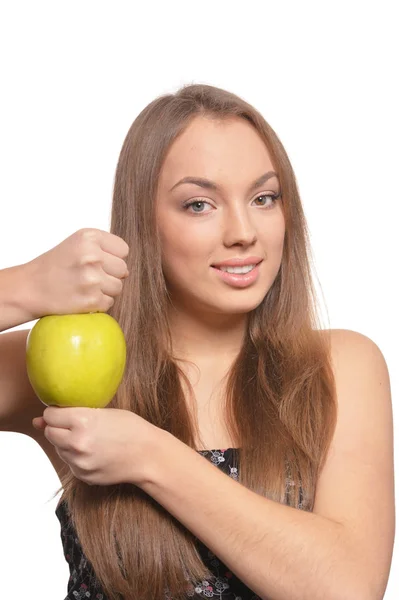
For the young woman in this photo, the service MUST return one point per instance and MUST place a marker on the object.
(248, 453)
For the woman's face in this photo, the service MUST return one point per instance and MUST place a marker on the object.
(235, 220)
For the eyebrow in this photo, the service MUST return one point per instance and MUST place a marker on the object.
(211, 185)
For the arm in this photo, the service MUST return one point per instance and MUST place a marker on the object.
(18, 402)
(279, 552)
(83, 273)
(340, 551)
(14, 297)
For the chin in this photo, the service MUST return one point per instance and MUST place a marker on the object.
(242, 306)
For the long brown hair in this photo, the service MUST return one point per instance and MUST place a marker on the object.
(280, 405)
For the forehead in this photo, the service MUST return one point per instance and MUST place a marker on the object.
(213, 149)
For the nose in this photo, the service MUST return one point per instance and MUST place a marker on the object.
(239, 226)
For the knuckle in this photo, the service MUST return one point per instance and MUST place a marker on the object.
(93, 301)
(91, 279)
(88, 257)
(80, 445)
(83, 464)
(84, 421)
(88, 234)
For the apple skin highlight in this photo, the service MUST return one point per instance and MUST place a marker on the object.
(76, 360)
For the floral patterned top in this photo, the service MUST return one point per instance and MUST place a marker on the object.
(225, 585)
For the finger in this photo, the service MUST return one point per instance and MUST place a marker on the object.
(109, 242)
(61, 438)
(114, 266)
(111, 286)
(65, 417)
(39, 423)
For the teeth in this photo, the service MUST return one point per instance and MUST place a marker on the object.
(245, 269)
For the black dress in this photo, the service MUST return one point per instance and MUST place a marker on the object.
(83, 583)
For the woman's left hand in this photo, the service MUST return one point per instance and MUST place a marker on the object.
(102, 446)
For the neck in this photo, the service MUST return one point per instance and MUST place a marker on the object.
(204, 338)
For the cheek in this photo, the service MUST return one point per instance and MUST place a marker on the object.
(183, 255)
(272, 236)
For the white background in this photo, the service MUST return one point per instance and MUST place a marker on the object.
(75, 75)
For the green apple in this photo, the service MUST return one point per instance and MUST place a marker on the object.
(76, 360)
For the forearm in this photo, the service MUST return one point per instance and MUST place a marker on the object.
(278, 551)
(14, 282)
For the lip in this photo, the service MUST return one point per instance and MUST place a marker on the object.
(237, 280)
(239, 262)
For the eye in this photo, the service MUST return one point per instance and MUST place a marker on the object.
(274, 198)
(194, 202)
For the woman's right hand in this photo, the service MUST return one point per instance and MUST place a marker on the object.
(83, 274)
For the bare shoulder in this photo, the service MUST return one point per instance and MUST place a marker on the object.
(348, 339)
(356, 484)
(354, 355)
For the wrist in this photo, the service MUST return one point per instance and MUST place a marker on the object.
(32, 299)
(162, 445)
(15, 297)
